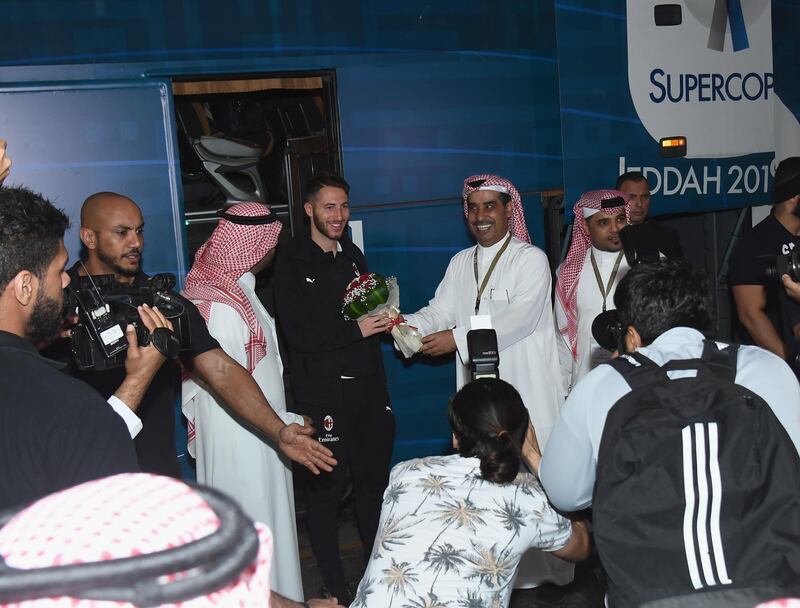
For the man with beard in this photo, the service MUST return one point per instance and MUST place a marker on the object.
(336, 371)
(55, 431)
(587, 279)
(230, 457)
(112, 231)
(767, 318)
(507, 279)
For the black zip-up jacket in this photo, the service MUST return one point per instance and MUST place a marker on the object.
(323, 345)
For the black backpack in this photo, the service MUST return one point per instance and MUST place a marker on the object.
(697, 487)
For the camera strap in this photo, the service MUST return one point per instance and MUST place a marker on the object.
(604, 291)
(489, 272)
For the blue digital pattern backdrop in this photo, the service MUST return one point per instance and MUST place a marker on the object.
(428, 94)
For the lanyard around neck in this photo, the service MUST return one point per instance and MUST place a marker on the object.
(604, 291)
(488, 274)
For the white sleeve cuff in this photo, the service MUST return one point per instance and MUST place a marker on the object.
(291, 418)
(130, 419)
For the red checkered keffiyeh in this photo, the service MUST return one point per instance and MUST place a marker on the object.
(125, 516)
(567, 284)
(516, 223)
(230, 251)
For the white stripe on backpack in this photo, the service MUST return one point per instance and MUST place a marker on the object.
(700, 466)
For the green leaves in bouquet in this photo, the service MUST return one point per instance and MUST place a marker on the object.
(355, 309)
(379, 295)
(364, 294)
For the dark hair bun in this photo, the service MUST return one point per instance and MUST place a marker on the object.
(490, 421)
(500, 463)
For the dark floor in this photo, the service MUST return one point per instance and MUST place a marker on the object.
(585, 592)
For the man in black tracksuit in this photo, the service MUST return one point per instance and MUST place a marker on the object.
(336, 372)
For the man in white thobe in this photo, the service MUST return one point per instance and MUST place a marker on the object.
(230, 457)
(508, 279)
(587, 280)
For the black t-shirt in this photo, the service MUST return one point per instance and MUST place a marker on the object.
(155, 443)
(758, 249)
(55, 432)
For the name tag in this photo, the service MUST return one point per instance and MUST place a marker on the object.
(480, 322)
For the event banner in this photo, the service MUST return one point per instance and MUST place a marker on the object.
(632, 73)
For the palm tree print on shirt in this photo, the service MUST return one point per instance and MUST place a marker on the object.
(447, 538)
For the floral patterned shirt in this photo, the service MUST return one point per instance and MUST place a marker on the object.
(448, 538)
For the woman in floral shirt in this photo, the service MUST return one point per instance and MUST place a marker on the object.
(454, 528)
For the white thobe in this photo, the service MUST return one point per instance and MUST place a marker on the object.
(239, 462)
(517, 297)
(590, 304)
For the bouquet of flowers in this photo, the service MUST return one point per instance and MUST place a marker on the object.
(372, 294)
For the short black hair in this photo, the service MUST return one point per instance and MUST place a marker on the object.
(490, 421)
(655, 297)
(31, 229)
(323, 179)
(631, 176)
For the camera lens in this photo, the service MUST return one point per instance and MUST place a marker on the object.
(793, 264)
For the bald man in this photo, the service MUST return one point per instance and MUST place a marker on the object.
(112, 231)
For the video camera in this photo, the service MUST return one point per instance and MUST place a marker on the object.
(484, 358)
(105, 308)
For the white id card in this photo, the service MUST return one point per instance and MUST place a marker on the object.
(480, 322)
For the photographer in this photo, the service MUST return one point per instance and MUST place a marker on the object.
(112, 230)
(587, 278)
(766, 314)
(636, 435)
(54, 431)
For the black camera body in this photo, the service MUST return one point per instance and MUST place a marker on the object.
(788, 263)
(644, 243)
(484, 357)
(105, 308)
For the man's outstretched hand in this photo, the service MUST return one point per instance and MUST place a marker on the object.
(298, 444)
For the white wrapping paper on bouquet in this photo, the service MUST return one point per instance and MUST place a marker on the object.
(406, 337)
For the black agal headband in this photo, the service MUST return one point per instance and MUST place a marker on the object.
(247, 220)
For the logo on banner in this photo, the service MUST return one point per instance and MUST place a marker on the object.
(728, 12)
(685, 81)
